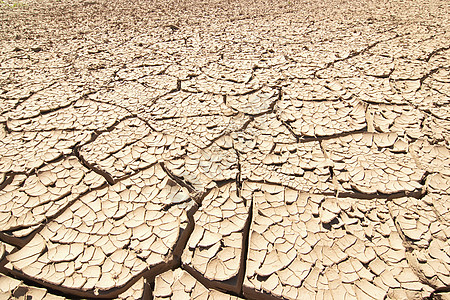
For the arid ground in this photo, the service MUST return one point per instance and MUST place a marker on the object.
(224, 149)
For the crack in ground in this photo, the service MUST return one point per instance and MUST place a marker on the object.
(245, 249)
(181, 182)
(436, 51)
(234, 285)
(89, 166)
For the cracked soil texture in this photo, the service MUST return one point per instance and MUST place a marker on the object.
(211, 149)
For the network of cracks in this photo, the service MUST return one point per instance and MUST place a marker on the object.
(267, 156)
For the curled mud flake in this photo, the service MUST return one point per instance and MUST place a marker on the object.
(5, 249)
(439, 183)
(139, 290)
(11, 288)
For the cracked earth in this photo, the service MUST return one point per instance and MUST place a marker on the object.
(224, 149)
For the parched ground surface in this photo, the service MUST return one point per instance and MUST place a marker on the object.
(224, 149)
